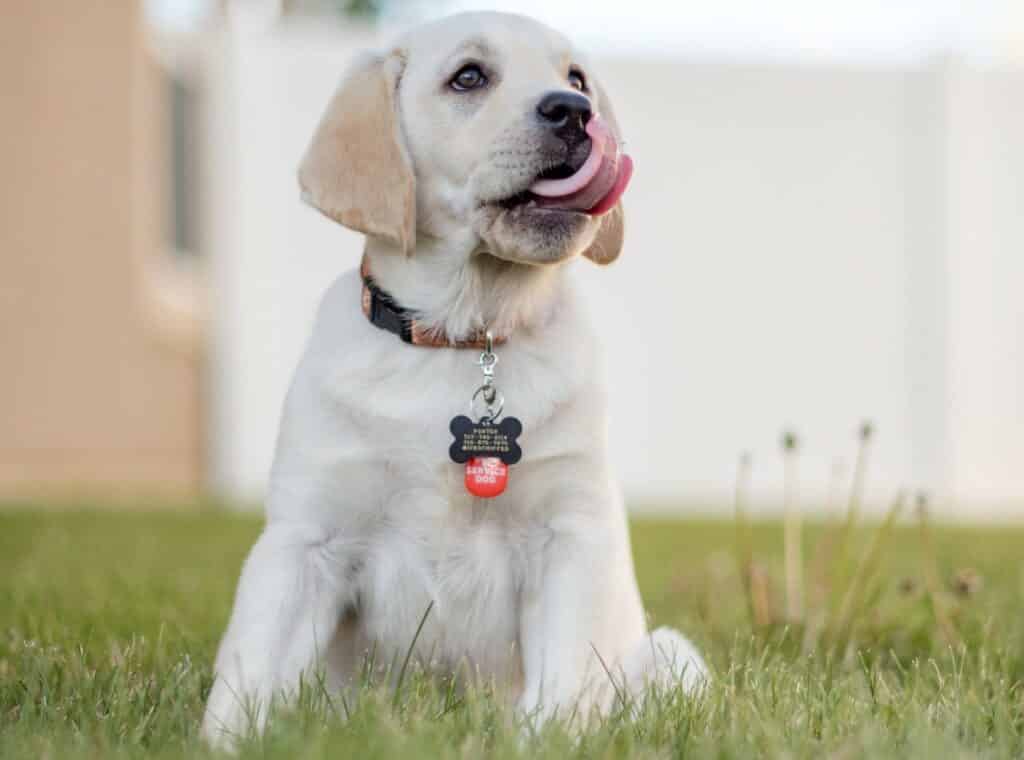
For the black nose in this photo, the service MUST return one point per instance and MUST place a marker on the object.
(563, 110)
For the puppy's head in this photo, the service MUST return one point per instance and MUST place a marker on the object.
(484, 130)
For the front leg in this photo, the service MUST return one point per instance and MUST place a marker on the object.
(290, 598)
(580, 602)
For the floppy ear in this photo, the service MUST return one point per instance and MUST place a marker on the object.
(356, 169)
(607, 243)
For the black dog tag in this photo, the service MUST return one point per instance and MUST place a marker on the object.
(485, 439)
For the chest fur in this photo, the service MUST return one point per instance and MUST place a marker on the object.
(461, 575)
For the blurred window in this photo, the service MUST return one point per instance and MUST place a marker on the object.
(365, 9)
(177, 15)
(182, 133)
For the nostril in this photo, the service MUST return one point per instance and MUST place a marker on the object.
(559, 107)
(557, 115)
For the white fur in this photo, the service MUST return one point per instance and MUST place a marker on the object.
(368, 522)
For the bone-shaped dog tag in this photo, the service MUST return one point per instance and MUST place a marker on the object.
(486, 448)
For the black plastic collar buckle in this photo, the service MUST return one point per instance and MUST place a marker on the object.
(387, 315)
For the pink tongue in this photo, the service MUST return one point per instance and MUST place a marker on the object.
(598, 184)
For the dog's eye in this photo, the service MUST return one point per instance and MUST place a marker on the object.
(577, 80)
(469, 77)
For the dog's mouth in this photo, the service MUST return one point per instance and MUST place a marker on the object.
(593, 187)
(564, 170)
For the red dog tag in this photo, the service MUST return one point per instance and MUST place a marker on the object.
(486, 476)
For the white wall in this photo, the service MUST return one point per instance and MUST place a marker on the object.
(806, 247)
(985, 276)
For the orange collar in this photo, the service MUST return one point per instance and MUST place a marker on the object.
(384, 312)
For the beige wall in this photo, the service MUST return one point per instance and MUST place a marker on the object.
(95, 390)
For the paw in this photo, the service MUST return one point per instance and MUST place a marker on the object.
(229, 718)
(665, 659)
(573, 708)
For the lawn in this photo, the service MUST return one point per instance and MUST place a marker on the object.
(912, 647)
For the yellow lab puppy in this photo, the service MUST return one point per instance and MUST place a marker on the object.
(480, 156)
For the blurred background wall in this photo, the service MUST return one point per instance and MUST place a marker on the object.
(99, 348)
(825, 220)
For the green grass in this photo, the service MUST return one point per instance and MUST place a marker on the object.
(109, 622)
